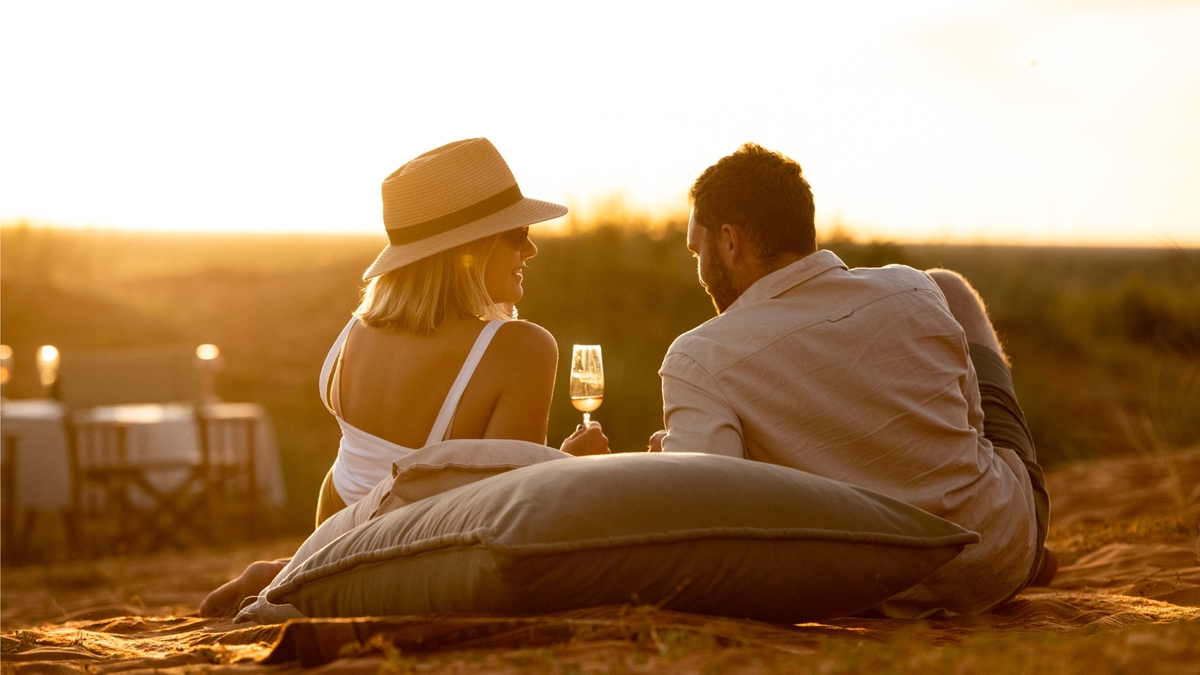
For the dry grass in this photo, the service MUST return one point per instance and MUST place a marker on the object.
(1081, 538)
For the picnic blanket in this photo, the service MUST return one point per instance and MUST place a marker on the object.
(1126, 530)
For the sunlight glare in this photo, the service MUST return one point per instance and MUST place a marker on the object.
(921, 121)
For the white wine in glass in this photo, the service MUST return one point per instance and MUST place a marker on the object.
(587, 380)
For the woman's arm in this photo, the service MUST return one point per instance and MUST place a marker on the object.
(526, 358)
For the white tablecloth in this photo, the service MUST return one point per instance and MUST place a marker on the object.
(43, 477)
(157, 433)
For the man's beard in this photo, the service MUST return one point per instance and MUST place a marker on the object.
(719, 283)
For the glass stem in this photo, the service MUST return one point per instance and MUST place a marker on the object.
(587, 417)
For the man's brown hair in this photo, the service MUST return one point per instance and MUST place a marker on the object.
(762, 192)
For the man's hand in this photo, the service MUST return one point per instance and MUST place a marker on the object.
(656, 441)
(589, 440)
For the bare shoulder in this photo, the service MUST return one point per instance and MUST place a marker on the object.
(526, 341)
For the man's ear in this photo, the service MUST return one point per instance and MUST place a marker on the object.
(732, 243)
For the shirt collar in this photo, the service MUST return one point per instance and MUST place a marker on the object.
(789, 277)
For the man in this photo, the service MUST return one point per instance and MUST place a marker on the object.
(887, 378)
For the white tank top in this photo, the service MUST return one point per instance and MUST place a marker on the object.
(364, 459)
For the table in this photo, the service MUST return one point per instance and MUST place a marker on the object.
(43, 470)
(37, 475)
(158, 432)
(160, 439)
(163, 439)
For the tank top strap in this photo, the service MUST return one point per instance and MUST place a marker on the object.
(335, 353)
(441, 426)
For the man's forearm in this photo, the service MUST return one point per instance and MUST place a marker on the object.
(696, 415)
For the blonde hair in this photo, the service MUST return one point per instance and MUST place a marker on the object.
(417, 296)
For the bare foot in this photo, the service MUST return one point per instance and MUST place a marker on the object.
(226, 600)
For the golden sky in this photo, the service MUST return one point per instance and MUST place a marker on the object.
(1057, 122)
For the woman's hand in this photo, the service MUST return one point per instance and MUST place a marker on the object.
(589, 440)
(227, 600)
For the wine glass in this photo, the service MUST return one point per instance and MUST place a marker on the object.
(587, 380)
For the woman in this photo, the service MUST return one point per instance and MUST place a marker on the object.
(432, 352)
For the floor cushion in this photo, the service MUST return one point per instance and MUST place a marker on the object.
(688, 532)
(425, 472)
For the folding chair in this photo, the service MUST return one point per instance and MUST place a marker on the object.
(110, 485)
(228, 439)
(113, 485)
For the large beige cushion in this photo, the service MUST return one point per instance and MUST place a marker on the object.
(696, 533)
(428, 471)
(261, 611)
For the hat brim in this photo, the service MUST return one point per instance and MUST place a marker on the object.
(525, 212)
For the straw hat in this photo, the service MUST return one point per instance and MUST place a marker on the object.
(449, 196)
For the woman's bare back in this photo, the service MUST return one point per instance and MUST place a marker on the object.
(392, 383)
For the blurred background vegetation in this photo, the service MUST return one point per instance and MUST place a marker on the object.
(1105, 342)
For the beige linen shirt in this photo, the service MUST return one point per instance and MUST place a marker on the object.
(862, 376)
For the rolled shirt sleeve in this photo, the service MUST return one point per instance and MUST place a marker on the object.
(697, 415)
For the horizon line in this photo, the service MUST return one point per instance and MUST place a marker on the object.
(837, 234)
